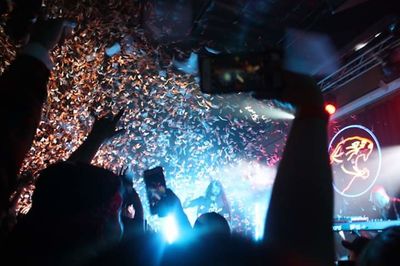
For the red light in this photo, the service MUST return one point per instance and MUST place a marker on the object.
(330, 108)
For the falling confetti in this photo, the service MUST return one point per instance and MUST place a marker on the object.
(168, 121)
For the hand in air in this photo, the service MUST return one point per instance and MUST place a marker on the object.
(105, 127)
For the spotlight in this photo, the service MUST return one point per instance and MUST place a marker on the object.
(359, 46)
(259, 219)
(330, 104)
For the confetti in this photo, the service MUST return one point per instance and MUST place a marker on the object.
(168, 121)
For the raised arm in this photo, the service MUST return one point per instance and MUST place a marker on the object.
(194, 202)
(23, 88)
(300, 213)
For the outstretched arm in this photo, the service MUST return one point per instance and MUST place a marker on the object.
(23, 88)
(194, 202)
(300, 213)
(103, 129)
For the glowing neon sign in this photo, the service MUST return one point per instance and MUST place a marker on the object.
(355, 156)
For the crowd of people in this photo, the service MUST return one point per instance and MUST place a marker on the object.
(85, 215)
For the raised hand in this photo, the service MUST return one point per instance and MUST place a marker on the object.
(105, 127)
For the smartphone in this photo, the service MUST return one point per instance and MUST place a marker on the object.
(155, 187)
(233, 73)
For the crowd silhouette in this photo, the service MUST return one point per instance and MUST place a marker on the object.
(85, 215)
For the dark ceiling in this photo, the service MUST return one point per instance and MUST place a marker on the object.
(346, 25)
(253, 24)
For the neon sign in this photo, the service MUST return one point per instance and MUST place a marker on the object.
(355, 157)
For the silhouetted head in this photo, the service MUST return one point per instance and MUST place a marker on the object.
(210, 224)
(383, 250)
(75, 214)
(79, 195)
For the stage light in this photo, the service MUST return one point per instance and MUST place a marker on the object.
(359, 46)
(259, 218)
(330, 108)
(330, 103)
(170, 229)
(260, 111)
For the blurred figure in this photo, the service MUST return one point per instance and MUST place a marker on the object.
(356, 247)
(132, 208)
(383, 250)
(380, 200)
(213, 201)
(386, 205)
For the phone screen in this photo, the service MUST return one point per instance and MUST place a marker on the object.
(155, 187)
(233, 73)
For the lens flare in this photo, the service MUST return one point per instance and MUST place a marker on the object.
(170, 229)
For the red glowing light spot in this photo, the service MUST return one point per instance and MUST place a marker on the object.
(330, 109)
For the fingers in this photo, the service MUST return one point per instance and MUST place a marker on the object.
(122, 171)
(115, 120)
(118, 116)
(105, 126)
(110, 116)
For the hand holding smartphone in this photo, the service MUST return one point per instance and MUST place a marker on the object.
(261, 73)
(233, 73)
